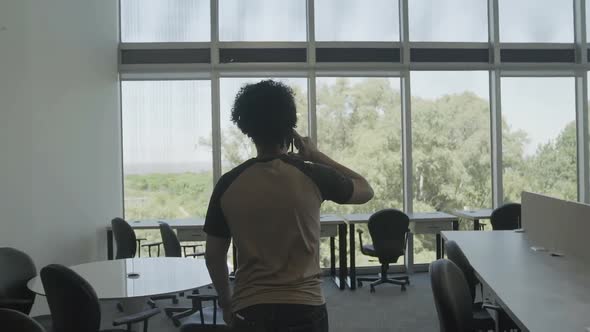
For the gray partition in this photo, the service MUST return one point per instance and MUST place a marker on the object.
(557, 225)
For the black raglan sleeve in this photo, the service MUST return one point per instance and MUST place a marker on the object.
(215, 223)
(333, 185)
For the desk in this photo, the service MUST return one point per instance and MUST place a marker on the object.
(474, 215)
(157, 276)
(192, 230)
(539, 292)
(420, 223)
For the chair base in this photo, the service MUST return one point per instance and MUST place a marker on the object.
(384, 279)
(176, 313)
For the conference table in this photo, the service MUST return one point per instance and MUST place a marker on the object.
(420, 223)
(540, 292)
(473, 215)
(131, 281)
(332, 226)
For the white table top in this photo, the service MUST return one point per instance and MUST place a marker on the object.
(331, 219)
(361, 218)
(157, 276)
(473, 214)
(540, 292)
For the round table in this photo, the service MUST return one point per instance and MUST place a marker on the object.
(132, 280)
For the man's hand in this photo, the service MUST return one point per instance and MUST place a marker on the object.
(305, 147)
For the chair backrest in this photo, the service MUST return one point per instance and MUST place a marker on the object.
(17, 268)
(12, 320)
(456, 255)
(72, 301)
(506, 217)
(388, 229)
(451, 296)
(203, 328)
(171, 244)
(124, 238)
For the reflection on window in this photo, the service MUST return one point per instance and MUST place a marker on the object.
(540, 21)
(356, 20)
(359, 125)
(539, 137)
(437, 20)
(167, 158)
(165, 21)
(262, 20)
(237, 147)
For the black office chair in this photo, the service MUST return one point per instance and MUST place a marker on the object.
(126, 248)
(13, 320)
(506, 217)
(451, 297)
(17, 268)
(204, 328)
(482, 318)
(74, 305)
(388, 229)
(173, 248)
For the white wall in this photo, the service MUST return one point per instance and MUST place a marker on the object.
(60, 167)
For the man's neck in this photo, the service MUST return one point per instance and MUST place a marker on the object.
(269, 152)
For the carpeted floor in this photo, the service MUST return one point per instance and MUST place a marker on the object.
(388, 309)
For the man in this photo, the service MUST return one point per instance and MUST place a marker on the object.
(270, 206)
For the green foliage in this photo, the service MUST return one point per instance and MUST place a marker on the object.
(359, 125)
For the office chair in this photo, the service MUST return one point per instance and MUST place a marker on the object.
(506, 217)
(482, 319)
(388, 229)
(12, 320)
(451, 297)
(126, 248)
(173, 248)
(74, 305)
(17, 268)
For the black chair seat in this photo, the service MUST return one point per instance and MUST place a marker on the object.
(13, 320)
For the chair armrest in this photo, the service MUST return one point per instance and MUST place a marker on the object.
(14, 301)
(195, 255)
(191, 245)
(491, 306)
(136, 318)
(140, 239)
(151, 244)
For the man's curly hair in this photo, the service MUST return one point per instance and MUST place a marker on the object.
(266, 112)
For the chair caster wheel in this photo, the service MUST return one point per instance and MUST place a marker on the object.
(120, 307)
(152, 304)
(176, 322)
(168, 313)
(403, 288)
(359, 284)
(372, 289)
(175, 300)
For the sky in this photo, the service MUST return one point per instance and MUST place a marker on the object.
(164, 122)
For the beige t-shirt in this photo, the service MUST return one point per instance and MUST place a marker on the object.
(271, 209)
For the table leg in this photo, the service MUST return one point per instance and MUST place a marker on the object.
(109, 244)
(409, 259)
(332, 257)
(342, 270)
(476, 224)
(456, 225)
(352, 251)
(438, 246)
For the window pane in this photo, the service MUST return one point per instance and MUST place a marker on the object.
(450, 146)
(356, 20)
(165, 21)
(237, 147)
(167, 157)
(262, 20)
(539, 137)
(436, 20)
(537, 21)
(359, 125)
